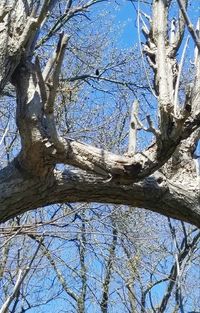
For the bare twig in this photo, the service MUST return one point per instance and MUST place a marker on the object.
(141, 51)
(151, 127)
(184, 254)
(59, 275)
(5, 133)
(179, 76)
(189, 24)
(21, 276)
(180, 29)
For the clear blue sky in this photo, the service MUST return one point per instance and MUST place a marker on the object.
(127, 15)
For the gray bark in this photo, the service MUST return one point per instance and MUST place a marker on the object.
(20, 193)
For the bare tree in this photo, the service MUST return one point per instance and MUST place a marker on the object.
(162, 177)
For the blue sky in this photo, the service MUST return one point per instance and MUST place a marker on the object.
(127, 15)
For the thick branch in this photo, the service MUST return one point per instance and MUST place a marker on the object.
(19, 194)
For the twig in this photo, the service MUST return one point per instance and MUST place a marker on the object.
(5, 133)
(142, 55)
(151, 128)
(189, 24)
(179, 76)
(21, 276)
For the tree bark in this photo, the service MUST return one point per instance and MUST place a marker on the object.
(20, 192)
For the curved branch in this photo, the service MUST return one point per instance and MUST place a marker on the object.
(20, 193)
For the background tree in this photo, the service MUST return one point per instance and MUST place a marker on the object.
(101, 259)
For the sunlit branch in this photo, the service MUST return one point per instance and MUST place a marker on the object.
(189, 24)
(179, 77)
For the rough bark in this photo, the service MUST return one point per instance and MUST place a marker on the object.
(162, 178)
(20, 193)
